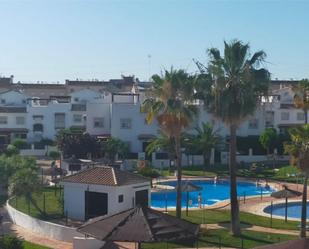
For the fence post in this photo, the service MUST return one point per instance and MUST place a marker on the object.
(244, 197)
(242, 243)
(29, 206)
(261, 192)
(44, 204)
(66, 217)
(271, 214)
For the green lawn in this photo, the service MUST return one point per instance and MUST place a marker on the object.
(54, 210)
(223, 216)
(53, 204)
(28, 245)
(263, 172)
(224, 238)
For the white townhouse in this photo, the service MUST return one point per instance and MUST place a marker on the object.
(13, 116)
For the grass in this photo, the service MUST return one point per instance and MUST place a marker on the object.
(222, 237)
(223, 216)
(223, 171)
(53, 204)
(54, 211)
(28, 245)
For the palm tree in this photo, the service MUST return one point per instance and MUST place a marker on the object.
(114, 146)
(299, 149)
(231, 86)
(162, 142)
(171, 106)
(301, 97)
(205, 139)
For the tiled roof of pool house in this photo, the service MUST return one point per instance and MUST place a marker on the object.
(105, 175)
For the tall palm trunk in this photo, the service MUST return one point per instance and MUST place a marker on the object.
(179, 175)
(235, 224)
(304, 209)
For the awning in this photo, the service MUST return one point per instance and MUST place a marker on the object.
(145, 136)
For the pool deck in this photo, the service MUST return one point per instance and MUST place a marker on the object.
(252, 204)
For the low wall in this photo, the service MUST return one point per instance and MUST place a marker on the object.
(44, 228)
(37, 152)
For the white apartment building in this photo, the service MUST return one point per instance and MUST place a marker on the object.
(119, 115)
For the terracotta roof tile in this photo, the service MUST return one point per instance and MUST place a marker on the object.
(105, 175)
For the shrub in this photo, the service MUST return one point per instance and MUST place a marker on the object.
(19, 143)
(149, 172)
(11, 242)
(11, 150)
(54, 155)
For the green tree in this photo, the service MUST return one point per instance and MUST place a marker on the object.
(231, 87)
(301, 97)
(19, 143)
(11, 164)
(205, 139)
(268, 139)
(25, 182)
(114, 146)
(299, 149)
(72, 142)
(170, 104)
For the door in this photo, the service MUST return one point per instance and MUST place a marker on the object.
(141, 198)
(95, 204)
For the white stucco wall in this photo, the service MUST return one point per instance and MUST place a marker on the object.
(74, 197)
(138, 125)
(98, 110)
(44, 228)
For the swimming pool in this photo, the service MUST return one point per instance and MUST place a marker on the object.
(294, 209)
(211, 193)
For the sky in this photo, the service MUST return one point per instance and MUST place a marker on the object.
(51, 41)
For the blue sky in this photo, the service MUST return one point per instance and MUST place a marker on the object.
(68, 39)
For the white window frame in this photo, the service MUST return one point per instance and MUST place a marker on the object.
(3, 120)
(125, 123)
(285, 116)
(99, 121)
(19, 118)
(300, 116)
(77, 118)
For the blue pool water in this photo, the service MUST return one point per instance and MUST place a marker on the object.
(211, 193)
(294, 209)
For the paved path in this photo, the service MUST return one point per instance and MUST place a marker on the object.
(253, 228)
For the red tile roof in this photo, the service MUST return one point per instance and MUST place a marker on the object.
(105, 175)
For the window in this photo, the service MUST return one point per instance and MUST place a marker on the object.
(120, 198)
(59, 120)
(300, 116)
(285, 116)
(3, 120)
(76, 99)
(77, 118)
(24, 101)
(98, 122)
(20, 120)
(2, 101)
(125, 123)
(36, 117)
(253, 123)
(37, 128)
